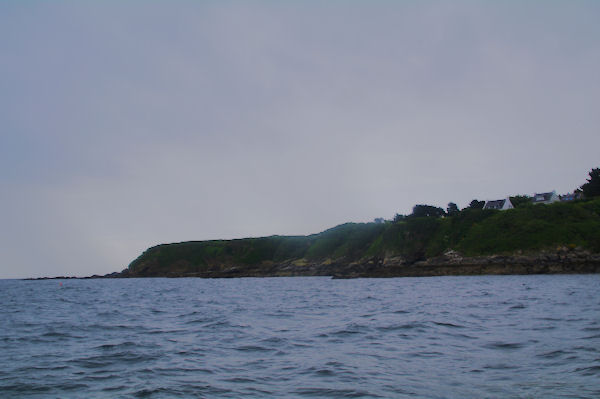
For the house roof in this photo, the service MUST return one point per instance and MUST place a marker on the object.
(497, 204)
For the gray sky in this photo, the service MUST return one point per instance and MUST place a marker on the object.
(129, 124)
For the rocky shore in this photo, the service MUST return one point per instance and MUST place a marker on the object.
(451, 263)
(561, 261)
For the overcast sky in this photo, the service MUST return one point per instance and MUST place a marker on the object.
(126, 124)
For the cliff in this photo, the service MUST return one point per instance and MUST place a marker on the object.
(557, 238)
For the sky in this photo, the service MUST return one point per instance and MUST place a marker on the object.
(126, 124)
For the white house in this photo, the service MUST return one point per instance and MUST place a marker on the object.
(502, 204)
(545, 198)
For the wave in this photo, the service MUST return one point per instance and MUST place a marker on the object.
(286, 338)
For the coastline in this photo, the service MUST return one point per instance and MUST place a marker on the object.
(531, 239)
(562, 261)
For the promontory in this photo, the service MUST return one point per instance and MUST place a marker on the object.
(562, 237)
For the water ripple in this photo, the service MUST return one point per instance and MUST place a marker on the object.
(467, 337)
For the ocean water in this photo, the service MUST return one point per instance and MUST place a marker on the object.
(439, 337)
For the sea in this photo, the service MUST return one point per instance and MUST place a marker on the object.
(302, 337)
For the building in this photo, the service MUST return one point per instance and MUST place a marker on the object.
(545, 198)
(501, 205)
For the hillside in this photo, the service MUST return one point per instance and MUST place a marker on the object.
(561, 237)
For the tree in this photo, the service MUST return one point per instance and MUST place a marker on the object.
(520, 200)
(475, 204)
(427, 211)
(398, 217)
(452, 209)
(592, 187)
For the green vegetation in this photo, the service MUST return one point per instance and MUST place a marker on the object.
(528, 229)
(519, 201)
(427, 211)
(592, 187)
(452, 209)
(476, 204)
(347, 241)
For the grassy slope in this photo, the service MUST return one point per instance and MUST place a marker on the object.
(472, 232)
(533, 228)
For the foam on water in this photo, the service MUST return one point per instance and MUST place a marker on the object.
(446, 337)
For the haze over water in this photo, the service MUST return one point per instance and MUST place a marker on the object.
(446, 337)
